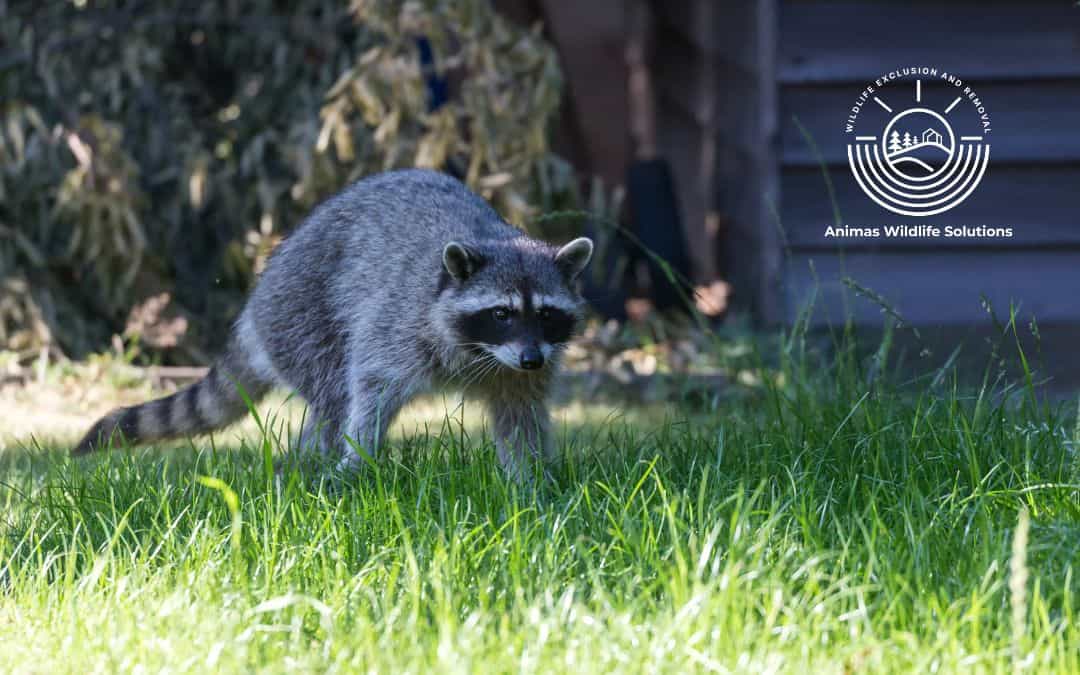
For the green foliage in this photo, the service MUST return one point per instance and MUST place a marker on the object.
(167, 146)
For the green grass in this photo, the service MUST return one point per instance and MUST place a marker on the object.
(830, 520)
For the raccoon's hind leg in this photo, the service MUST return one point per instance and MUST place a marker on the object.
(375, 403)
(313, 448)
(321, 434)
(311, 439)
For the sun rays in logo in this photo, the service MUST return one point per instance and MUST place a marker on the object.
(917, 167)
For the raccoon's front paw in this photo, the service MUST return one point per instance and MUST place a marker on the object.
(528, 474)
(351, 463)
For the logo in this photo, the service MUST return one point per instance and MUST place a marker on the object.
(926, 148)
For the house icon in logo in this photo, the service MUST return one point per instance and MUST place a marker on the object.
(931, 136)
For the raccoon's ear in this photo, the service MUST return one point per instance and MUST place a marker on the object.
(460, 260)
(573, 257)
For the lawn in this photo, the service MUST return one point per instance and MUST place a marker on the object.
(826, 517)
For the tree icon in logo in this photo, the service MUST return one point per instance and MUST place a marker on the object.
(894, 142)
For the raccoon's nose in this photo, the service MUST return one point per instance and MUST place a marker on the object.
(531, 358)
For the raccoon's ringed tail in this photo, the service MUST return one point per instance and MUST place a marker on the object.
(210, 403)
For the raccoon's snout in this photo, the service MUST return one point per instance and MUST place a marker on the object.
(518, 356)
(531, 358)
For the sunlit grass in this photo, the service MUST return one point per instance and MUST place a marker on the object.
(827, 521)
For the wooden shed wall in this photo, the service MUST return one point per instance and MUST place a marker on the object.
(1023, 58)
(715, 69)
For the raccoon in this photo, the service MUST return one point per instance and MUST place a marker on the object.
(402, 283)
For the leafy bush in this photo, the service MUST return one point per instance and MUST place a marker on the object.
(153, 148)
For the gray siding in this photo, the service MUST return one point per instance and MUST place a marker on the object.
(1023, 58)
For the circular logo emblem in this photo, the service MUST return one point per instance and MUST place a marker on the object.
(917, 164)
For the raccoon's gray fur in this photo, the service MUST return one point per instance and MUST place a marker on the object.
(403, 282)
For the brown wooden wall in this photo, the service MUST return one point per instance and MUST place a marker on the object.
(717, 124)
(714, 80)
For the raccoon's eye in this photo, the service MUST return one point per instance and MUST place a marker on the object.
(545, 314)
(501, 314)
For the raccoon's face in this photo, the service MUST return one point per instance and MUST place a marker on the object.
(513, 300)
